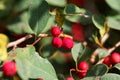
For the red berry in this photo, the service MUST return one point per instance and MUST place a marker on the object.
(9, 68)
(67, 43)
(77, 32)
(57, 42)
(69, 78)
(115, 58)
(40, 79)
(79, 3)
(83, 66)
(81, 75)
(55, 31)
(107, 61)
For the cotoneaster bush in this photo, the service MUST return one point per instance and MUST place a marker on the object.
(59, 40)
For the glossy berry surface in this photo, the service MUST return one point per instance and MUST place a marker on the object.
(67, 43)
(115, 58)
(83, 66)
(9, 68)
(69, 78)
(78, 32)
(57, 42)
(107, 61)
(55, 31)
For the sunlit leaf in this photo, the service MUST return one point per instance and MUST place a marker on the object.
(31, 65)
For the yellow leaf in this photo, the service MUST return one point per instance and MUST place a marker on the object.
(104, 30)
(3, 54)
(59, 18)
(98, 42)
(3, 39)
(3, 48)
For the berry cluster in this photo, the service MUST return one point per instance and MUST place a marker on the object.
(57, 41)
(83, 67)
(113, 59)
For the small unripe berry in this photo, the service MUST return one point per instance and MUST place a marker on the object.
(69, 78)
(81, 75)
(9, 68)
(55, 31)
(83, 66)
(57, 42)
(115, 58)
(107, 61)
(67, 43)
(78, 32)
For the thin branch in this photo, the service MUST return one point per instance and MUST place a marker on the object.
(71, 72)
(81, 14)
(36, 41)
(106, 36)
(15, 43)
(114, 47)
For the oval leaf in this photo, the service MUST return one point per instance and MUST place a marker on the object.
(31, 65)
(73, 14)
(114, 4)
(117, 66)
(97, 70)
(39, 15)
(110, 76)
(113, 23)
(59, 3)
(98, 21)
(102, 53)
(89, 78)
(77, 51)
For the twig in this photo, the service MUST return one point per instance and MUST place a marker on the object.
(71, 72)
(15, 43)
(114, 47)
(36, 41)
(81, 14)
(106, 36)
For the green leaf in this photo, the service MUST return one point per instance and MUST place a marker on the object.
(97, 70)
(73, 14)
(102, 53)
(117, 66)
(113, 23)
(86, 54)
(77, 50)
(31, 65)
(89, 78)
(98, 21)
(39, 19)
(39, 15)
(114, 4)
(21, 26)
(1, 73)
(59, 3)
(110, 76)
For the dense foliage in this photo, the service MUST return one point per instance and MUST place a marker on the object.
(59, 39)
